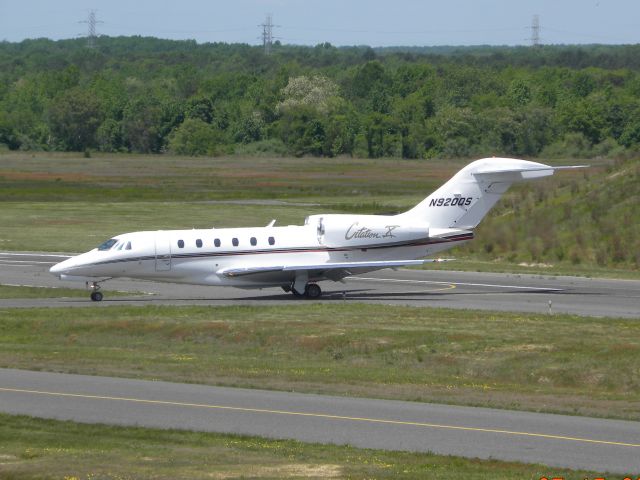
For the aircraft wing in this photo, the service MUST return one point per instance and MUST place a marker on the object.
(248, 270)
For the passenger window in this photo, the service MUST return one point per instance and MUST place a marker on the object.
(235, 242)
(272, 241)
(180, 243)
(216, 242)
(199, 243)
(253, 241)
(120, 245)
(128, 247)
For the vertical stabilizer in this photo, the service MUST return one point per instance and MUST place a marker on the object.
(464, 200)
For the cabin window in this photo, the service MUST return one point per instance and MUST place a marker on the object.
(216, 242)
(253, 241)
(199, 243)
(128, 247)
(272, 241)
(235, 242)
(107, 245)
(180, 243)
(120, 245)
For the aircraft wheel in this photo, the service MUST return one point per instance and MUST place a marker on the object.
(296, 294)
(313, 290)
(96, 296)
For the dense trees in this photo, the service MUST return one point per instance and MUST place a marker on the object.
(150, 95)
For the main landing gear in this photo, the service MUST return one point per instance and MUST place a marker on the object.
(311, 291)
(96, 295)
(301, 287)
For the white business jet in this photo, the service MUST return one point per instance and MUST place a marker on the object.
(326, 247)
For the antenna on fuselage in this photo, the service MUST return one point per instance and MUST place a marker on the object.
(272, 223)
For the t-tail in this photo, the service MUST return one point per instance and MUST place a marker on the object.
(463, 201)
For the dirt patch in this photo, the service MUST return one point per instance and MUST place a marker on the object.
(45, 176)
(65, 221)
(280, 471)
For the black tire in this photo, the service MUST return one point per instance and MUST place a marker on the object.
(96, 296)
(313, 290)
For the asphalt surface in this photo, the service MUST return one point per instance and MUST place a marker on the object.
(429, 288)
(553, 440)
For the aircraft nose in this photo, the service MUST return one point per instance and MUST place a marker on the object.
(56, 269)
(59, 268)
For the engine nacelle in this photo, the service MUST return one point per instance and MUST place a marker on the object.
(365, 230)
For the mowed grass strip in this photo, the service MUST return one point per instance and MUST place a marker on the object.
(79, 227)
(557, 363)
(14, 291)
(20, 291)
(50, 176)
(35, 448)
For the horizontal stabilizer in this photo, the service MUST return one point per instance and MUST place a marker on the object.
(535, 169)
(519, 173)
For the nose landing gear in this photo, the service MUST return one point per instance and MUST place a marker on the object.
(96, 295)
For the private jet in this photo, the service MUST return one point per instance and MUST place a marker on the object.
(297, 257)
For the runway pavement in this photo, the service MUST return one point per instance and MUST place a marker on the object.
(553, 440)
(470, 290)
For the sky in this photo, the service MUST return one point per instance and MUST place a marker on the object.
(339, 22)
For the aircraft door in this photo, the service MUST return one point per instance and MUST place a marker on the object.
(163, 253)
(320, 231)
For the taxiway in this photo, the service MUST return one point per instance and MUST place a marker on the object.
(428, 288)
(554, 440)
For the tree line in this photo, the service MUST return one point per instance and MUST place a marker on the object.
(134, 94)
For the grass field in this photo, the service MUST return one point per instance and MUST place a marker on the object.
(505, 360)
(64, 202)
(37, 449)
(118, 178)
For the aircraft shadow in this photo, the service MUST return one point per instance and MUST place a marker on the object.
(371, 294)
(335, 295)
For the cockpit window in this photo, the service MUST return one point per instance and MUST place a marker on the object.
(108, 244)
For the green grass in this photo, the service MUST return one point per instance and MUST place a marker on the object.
(78, 227)
(14, 291)
(544, 269)
(561, 363)
(48, 449)
(121, 178)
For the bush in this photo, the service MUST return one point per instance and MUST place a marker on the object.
(264, 148)
(195, 137)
